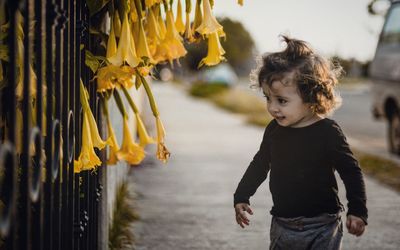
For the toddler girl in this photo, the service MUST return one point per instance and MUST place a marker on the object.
(301, 149)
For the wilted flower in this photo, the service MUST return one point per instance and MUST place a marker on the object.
(162, 152)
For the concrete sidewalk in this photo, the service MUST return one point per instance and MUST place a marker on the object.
(187, 204)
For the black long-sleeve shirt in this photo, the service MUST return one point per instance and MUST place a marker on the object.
(301, 162)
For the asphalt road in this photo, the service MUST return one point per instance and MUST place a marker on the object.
(187, 203)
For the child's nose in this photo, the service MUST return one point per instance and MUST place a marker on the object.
(273, 108)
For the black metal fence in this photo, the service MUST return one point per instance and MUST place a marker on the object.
(43, 203)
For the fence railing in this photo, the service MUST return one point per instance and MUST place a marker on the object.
(43, 203)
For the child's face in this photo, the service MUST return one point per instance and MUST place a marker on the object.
(285, 104)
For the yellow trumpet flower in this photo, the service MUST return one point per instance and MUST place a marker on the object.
(142, 48)
(180, 27)
(87, 112)
(114, 148)
(171, 47)
(108, 77)
(126, 47)
(133, 12)
(117, 24)
(198, 17)
(188, 31)
(126, 76)
(153, 33)
(215, 51)
(150, 3)
(161, 23)
(162, 152)
(209, 24)
(144, 137)
(87, 159)
(111, 43)
(240, 2)
(131, 152)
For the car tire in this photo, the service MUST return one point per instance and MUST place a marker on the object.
(394, 133)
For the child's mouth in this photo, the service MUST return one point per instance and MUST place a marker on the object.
(279, 118)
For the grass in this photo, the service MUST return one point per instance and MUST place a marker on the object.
(120, 232)
(236, 101)
(207, 90)
(385, 171)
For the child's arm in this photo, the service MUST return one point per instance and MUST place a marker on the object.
(255, 174)
(350, 172)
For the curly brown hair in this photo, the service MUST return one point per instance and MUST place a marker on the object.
(316, 77)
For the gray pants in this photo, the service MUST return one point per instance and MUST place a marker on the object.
(323, 232)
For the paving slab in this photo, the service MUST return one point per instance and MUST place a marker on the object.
(187, 203)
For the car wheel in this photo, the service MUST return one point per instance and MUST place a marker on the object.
(394, 134)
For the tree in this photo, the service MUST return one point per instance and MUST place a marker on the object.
(239, 46)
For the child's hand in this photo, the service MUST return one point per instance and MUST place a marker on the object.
(241, 217)
(355, 225)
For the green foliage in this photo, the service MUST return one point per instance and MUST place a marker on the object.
(96, 5)
(239, 44)
(207, 90)
(94, 62)
(120, 233)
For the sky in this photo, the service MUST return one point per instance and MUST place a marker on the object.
(332, 27)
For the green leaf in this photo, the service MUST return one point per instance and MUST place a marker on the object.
(91, 61)
(96, 5)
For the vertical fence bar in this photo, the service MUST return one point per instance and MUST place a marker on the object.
(24, 215)
(66, 112)
(48, 187)
(9, 111)
(84, 199)
(71, 122)
(78, 35)
(37, 207)
(59, 22)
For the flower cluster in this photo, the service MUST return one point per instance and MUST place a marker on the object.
(142, 34)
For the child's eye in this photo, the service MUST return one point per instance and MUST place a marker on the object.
(267, 97)
(282, 101)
